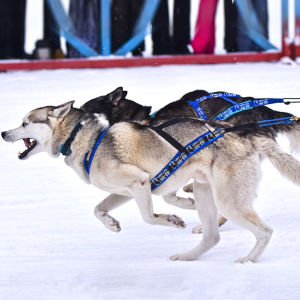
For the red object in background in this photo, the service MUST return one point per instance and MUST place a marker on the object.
(204, 39)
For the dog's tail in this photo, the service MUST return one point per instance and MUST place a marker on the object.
(287, 165)
(292, 132)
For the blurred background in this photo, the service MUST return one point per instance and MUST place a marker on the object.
(166, 27)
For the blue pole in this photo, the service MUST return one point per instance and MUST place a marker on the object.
(66, 28)
(285, 16)
(140, 29)
(105, 29)
(78, 44)
(297, 8)
(253, 27)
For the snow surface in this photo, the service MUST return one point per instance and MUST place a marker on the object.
(52, 246)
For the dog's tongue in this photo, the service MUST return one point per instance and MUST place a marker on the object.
(26, 142)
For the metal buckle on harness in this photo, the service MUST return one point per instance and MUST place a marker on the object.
(210, 128)
(294, 118)
(215, 132)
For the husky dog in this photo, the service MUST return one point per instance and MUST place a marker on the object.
(115, 107)
(225, 173)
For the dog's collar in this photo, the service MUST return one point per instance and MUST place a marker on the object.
(65, 148)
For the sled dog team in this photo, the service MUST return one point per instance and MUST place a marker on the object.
(216, 140)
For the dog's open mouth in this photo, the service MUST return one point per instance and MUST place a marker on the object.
(30, 144)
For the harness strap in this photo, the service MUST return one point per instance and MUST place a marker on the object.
(199, 111)
(205, 140)
(65, 148)
(87, 163)
(159, 130)
(201, 114)
(216, 95)
(168, 138)
(249, 104)
(235, 108)
(189, 150)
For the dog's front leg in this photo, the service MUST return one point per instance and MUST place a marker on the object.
(141, 191)
(109, 203)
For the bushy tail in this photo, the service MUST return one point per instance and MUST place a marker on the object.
(293, 135)
(287, 165)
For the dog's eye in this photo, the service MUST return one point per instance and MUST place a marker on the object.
(24, 124)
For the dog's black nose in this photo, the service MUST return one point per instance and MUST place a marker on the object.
(3, 134)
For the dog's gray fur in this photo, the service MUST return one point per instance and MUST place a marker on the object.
(225, 174)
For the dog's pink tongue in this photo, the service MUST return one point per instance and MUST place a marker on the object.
(26, 142)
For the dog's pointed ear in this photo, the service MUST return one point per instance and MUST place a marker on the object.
(116, 96)
(61, 110)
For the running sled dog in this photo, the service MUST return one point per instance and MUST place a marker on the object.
(225, 173)
(234, 108)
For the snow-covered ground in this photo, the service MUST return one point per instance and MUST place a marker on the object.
(51, 245)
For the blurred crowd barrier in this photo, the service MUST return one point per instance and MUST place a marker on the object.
(93, 28)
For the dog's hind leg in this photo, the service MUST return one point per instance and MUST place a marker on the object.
(207, 212)
(109, 203)
(248, 218)
(185, 203)
(234, 190)
(251, 221)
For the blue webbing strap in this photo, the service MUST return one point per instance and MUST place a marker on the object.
(229, 100)
(87, 164)
(250, 104)
(216, 95)
(201, 114)
(181, 156)
(287, 120)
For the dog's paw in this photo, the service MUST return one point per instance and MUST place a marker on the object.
(113, 225)
(246, 259)
(188, 188)
(198, 229)
(108, 221)
(177, 221)
(191, 203)
(183, 257)
(185, 203)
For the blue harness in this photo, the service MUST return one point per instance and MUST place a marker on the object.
(65, 148)
(190, 149)
(235, 108)
(87, 163)
(205, 140)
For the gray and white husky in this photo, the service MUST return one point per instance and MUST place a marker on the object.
(225, 174)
